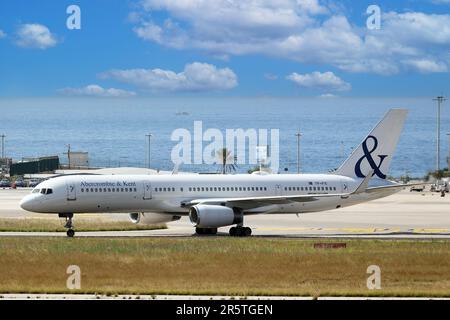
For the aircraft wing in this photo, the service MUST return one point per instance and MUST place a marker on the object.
(255, 202)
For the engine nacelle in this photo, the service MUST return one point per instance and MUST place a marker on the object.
(151, 218)
(214, 216)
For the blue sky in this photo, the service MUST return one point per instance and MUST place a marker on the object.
(201, 48)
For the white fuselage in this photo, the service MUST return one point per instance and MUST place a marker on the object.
(167, 193)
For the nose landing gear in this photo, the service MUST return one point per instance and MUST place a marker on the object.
(69, 223)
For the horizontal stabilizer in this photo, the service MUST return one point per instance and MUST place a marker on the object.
(394, 187)
(364, 184)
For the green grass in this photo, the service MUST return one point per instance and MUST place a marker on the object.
(224, 266)
(81, 224)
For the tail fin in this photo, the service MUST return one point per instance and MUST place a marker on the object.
(376, 151)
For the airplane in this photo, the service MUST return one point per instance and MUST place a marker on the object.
(219, 200)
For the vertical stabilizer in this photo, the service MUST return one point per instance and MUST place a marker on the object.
(377, 149)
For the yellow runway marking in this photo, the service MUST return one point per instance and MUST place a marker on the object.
(360, 230)
(432, 230)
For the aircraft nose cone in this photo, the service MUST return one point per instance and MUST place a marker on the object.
(25, 203)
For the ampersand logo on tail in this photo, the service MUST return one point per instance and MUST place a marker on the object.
(368, 155)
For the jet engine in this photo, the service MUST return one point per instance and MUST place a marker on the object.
(151, 218)
(214, 216)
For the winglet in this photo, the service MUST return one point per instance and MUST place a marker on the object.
(364, 184)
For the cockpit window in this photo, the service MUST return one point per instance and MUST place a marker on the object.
(43, 190)
(36, 190)
(49, 191)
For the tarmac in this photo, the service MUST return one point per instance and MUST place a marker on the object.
(405, 215)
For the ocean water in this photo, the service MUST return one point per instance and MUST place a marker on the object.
(113, 130)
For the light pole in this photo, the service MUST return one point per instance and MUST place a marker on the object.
(3, 145)
(68, 154)
(440, 100)
(149, 136)
(298, 135)
(448, 157)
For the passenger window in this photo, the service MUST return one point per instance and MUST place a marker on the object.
(181, 189)
(82, 189)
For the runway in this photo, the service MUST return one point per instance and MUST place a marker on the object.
(406, 215)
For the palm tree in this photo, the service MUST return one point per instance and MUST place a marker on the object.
(226, 159)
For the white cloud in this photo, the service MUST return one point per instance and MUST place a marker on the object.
(328, 96)
(270, 76)
(306, 31)
(440, 1)
(426, 66)
(195, 77)
(2, 34)
(94, 90)
(35, 36)
(325, 81)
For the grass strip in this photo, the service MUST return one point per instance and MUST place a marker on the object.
(81, 224)
(224, 266)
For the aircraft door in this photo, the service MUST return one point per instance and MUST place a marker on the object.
(147, 190)
(278, 191)
(71, 191)
(344, 187)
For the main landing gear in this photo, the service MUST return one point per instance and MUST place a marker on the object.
(240, 231)
(69, 223)
(203, 231)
